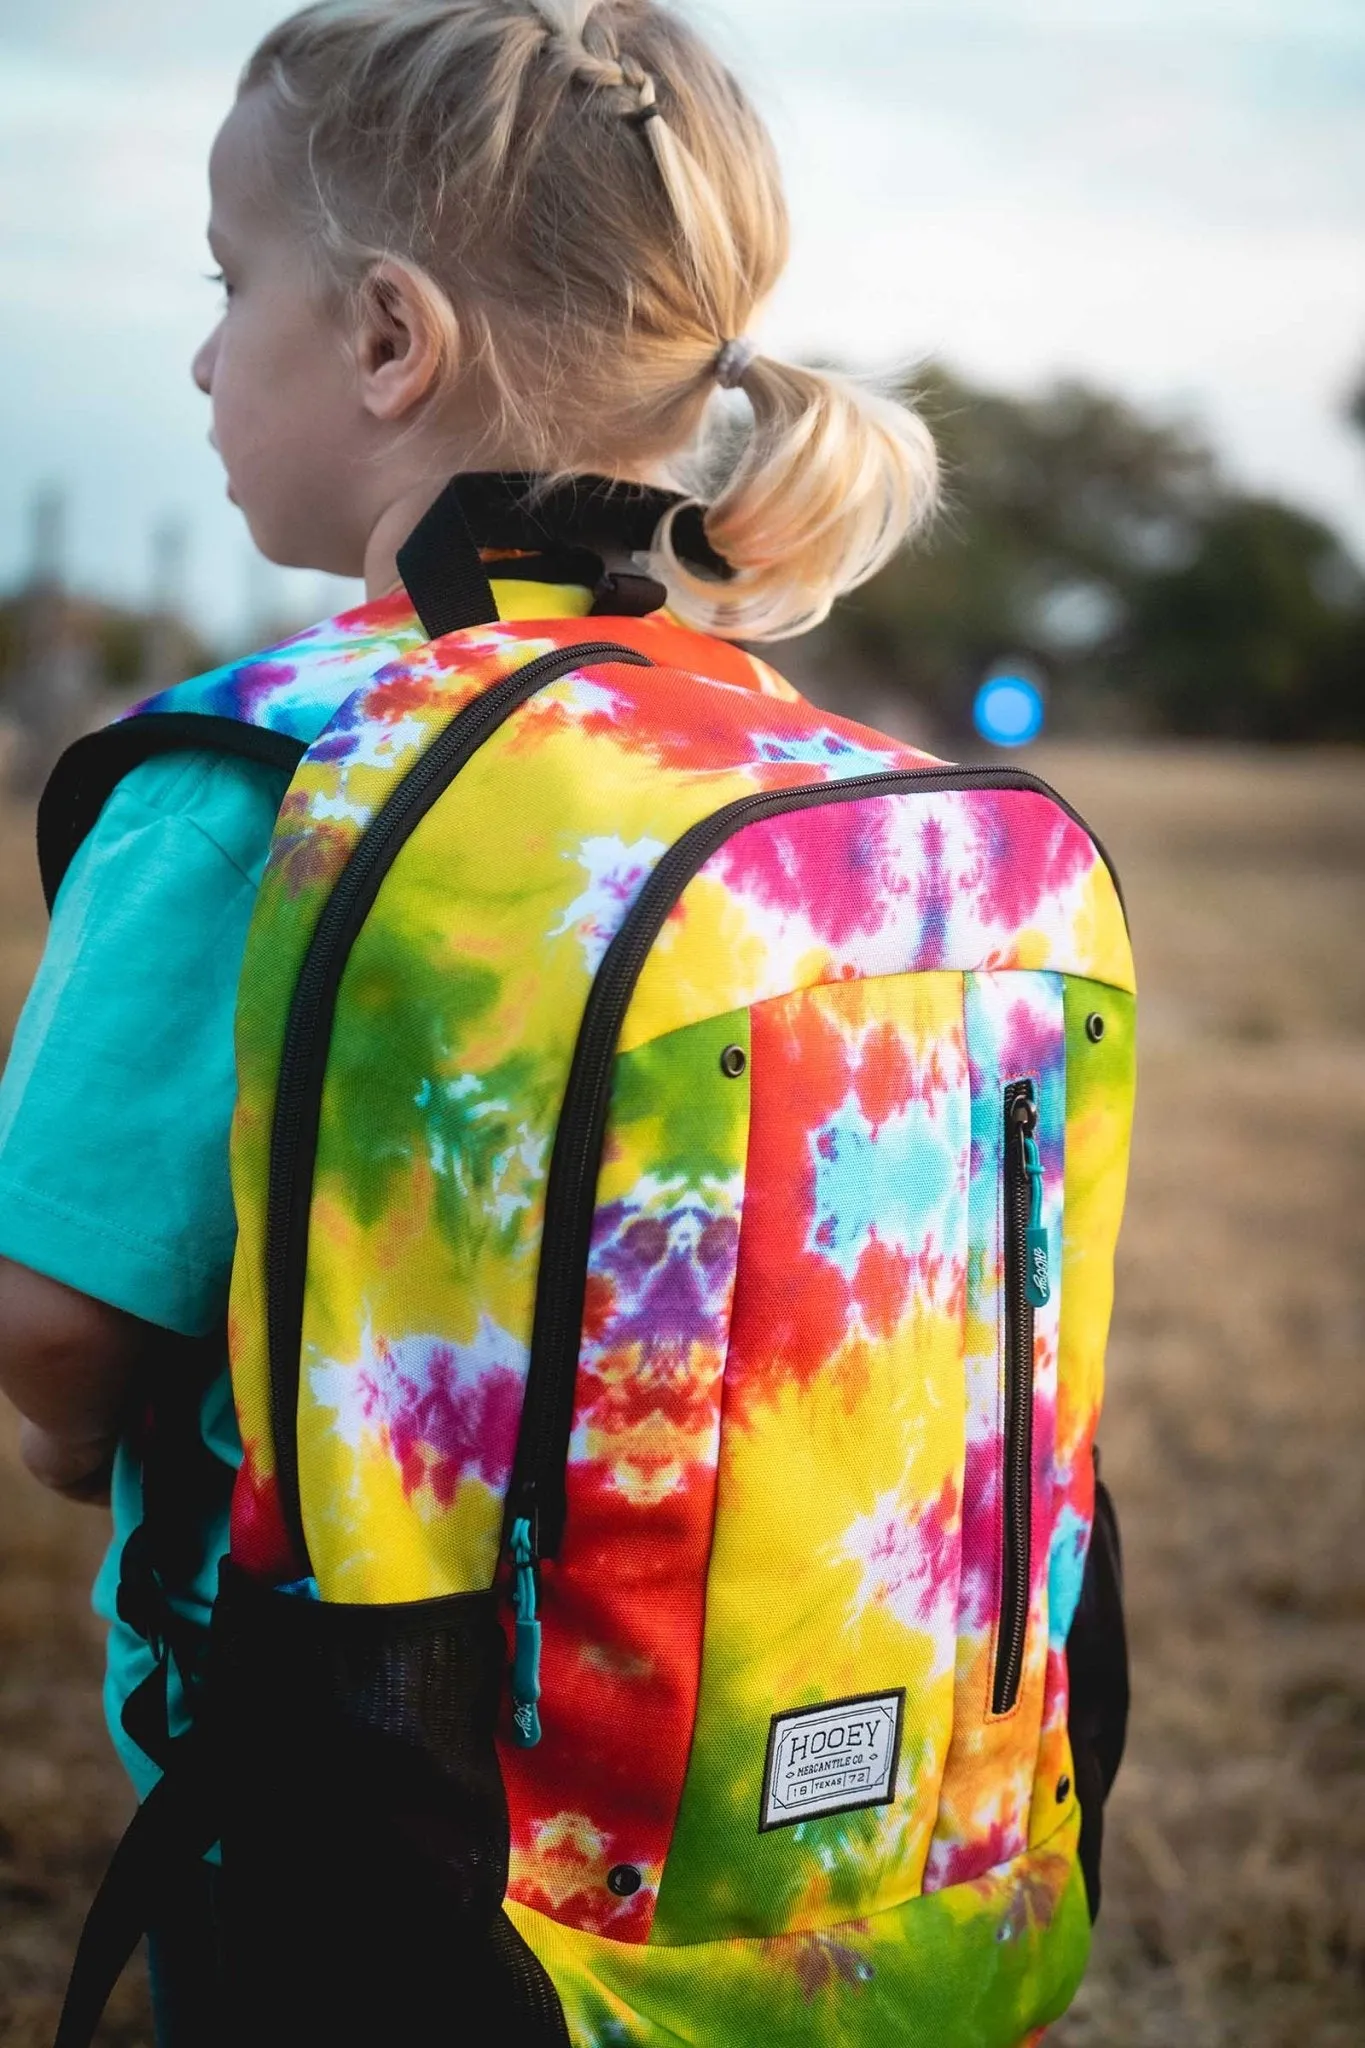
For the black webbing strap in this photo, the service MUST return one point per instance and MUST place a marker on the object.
(184, 1489)
(170, 1832)
(442, 570)
(145, 1605)
(1097, 1671)
(90, 770)
(182, 1484)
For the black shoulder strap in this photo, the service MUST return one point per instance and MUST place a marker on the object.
(171, 1830)
(1097, 1670)
(89, 771)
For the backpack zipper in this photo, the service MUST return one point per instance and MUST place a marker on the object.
(536, 1497)
(1027, 1286)
(307, 1037)
(526, 1653)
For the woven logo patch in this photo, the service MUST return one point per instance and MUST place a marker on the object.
(832, 1759)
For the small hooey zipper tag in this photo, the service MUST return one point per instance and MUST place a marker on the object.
(526, 1656)
(1037, 1277)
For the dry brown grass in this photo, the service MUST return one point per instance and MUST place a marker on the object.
(1235, 1873)
(1235, 1426)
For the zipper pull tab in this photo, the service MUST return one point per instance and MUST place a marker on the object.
(1037, 1276)
(526, 1656)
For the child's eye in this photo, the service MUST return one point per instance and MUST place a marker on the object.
(217, 277)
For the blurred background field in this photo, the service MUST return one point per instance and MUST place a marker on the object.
(1234, 1437)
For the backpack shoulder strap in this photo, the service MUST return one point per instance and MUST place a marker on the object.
(171, 1830)
(91, 769)
(253, 709)
(268, 707)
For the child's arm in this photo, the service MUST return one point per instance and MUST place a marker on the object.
(69, 1365)
(116, 1221)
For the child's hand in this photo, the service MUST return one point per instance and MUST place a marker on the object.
(77, 1468)
(69, 1364)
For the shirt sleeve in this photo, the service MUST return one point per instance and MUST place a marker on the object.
(116, 1102)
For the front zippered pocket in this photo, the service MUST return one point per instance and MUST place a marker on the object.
(536, 1500)
(1026, 1287)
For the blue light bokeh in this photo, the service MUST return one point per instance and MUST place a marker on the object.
(1008, 711)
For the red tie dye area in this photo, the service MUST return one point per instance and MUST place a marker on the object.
(680, 1150)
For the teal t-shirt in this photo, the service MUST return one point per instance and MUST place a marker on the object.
(116, 1102)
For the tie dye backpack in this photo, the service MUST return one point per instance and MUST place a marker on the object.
(680, 1150)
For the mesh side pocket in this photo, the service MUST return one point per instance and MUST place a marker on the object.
(365, 1845)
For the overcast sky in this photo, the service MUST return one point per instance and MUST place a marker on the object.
(1165, 195)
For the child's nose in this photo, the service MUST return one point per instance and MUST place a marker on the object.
(201, 369)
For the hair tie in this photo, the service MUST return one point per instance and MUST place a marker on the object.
(734, 362)
(641, 115)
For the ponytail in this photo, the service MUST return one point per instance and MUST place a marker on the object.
(834, 478)
(598, 211)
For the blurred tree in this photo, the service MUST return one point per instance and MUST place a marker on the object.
(1253, 636)
(10, 638)
(1355, 407)
(1057, 508)
(1102, 547)
(121, 639)
(117, 638)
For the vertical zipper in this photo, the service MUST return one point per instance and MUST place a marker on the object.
(1027, 1286)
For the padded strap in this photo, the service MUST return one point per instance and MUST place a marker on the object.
(89, 771)
(170, 1831)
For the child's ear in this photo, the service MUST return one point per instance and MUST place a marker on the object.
(407, 339)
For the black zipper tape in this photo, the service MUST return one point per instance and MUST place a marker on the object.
(307, 1038)
(1016, 1476)
(537, 1493)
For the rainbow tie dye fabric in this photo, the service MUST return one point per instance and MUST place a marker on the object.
(693, 1127)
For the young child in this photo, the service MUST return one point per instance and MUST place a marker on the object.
(518, 241)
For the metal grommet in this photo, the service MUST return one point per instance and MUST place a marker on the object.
(625, 1880)
(1094, 1027)
(1063, 1790)
(733, 1061)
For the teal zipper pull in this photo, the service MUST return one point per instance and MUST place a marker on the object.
(526, 1655)
(1037, 1274)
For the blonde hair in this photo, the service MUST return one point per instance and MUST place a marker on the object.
(593, 209)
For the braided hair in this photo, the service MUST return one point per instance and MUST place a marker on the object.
(595, 211)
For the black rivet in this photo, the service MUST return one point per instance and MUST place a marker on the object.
(733, 1061)
(1063, 1790)
(1094, 1027)
(625, 1880)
